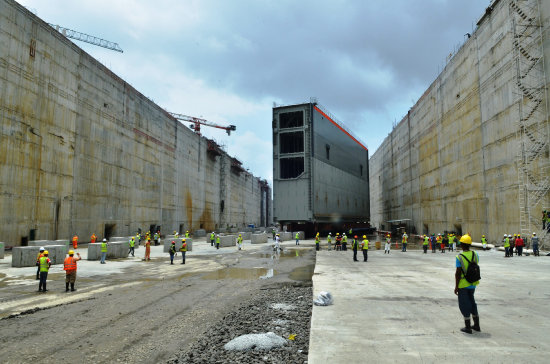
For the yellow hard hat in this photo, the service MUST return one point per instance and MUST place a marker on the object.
(71, 252)
(364, 236)
(337, 234)
(482, 236)
(45, 252)
(466, 239)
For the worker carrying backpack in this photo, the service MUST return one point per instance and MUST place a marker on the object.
(473, 273)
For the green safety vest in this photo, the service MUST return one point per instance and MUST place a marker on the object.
(212, 236)
(365, 244)
(329, 238)
(345, 239)
(354, 244)
(297, 236)
(426, 241)
(156, 236)
(239, 240)
(317, 240)
(172, 249)
(483, 241)
(183, 247)
(218, 240)
(506, 243)
(405, 239)
(451, 239)
(104, 247)
(463, 282)
(44, 266)
(132, 242)
(186, 235)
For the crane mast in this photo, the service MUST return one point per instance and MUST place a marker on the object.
(83, 37)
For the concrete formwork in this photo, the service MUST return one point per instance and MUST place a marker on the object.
(285, 236)
(125, 162)
(246, 235)
(258, 238)
(25, 256)
(228, 240)
(44, 243)
(451, 163)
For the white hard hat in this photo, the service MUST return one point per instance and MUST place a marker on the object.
(104, 239)
(42, 249)
(534, 233)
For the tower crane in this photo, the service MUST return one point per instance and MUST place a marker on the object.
(197, 122)
(69, 33)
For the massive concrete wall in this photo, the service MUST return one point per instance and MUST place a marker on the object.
(82, 151)
(450, 164)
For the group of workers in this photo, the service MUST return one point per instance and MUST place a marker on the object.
(518, 242)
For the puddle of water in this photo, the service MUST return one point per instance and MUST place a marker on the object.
(269, 274)
(237, 273)
(302, 273)
(287, 253)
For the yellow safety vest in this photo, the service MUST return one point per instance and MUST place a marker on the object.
(44, 266)
(506, 243)
(365, 244)
(463, 282)
(104, 247)
(426, 241)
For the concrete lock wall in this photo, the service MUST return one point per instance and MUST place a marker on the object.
(258, 238)
(2, 249)
(168, 242)
(25, 256)
(199, 233)
(452, 161)
(82, 151)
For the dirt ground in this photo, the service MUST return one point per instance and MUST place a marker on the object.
(152, 312)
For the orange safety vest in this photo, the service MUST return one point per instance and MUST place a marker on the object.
(69, 264)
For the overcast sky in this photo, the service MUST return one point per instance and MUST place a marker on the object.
(228, 61)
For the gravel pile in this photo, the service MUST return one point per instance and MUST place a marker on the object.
(282, 311)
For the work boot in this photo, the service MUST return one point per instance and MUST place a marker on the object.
(467, 329)
(39, 287)
(476, 323)
(44, 290)
(66, 286)
(72, 287)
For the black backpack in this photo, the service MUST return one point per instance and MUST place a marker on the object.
(473, 273)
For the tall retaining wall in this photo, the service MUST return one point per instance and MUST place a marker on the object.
(82, 151)
(452, 161)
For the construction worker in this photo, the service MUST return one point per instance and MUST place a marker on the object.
(512, 244)
(297, 238)
(344, 242)
(452, 243)
(103, 251)
(338, 242)
(425, 244)
(519, 245)
(187, 234)
(40, 255)
(483, 242)
(212, 238)
(172, 251)
(132, 244)
(69, 266)
(156, 238)
(93, 238)
(75, 241)
(354, 244)
(445, 240)
(404, 240)
(138, 237)
(535, 244)
(463, 289)
(218, 241)
(439, 241)
(176, 234)
(317, 241)
(147, 249)
(433, 243)
(277, 242)
(274, 232)
(365, 248)
(239, 242)
(506, 241)
(45, 264)
(387, 246)
(183, 250)
(329, 241)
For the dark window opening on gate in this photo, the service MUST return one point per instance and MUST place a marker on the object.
(292, 119)
(291, 167)
(292, 142)
(361, 169)
(108, 231)
(327, 149)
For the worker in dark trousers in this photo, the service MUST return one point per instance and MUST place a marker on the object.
(365, 248)
(183, 250)
(354, 243)
(317, 241)
(434, 243)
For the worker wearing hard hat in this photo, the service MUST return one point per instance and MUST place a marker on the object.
(329, 241)
(69, 266)
(404, 240)
(187, 234)
(338, 242)
(317, 241)
(212, 238)
(506, 241)
(297, 236)
(172, 251)
(425, 244)
(183, 250)
(75, 241)
(40, 255)
(354, 244)
(387, 245)
(465, 288)
(218, 241)
(45, 264)
(103, 251)
(131, 244)
(365, 248)
(239, 242)
(484, 242)
(344, 242)
(535, 244)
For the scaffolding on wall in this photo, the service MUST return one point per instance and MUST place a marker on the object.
(532, 159)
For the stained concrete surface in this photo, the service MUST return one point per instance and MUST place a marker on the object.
(400, 308)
